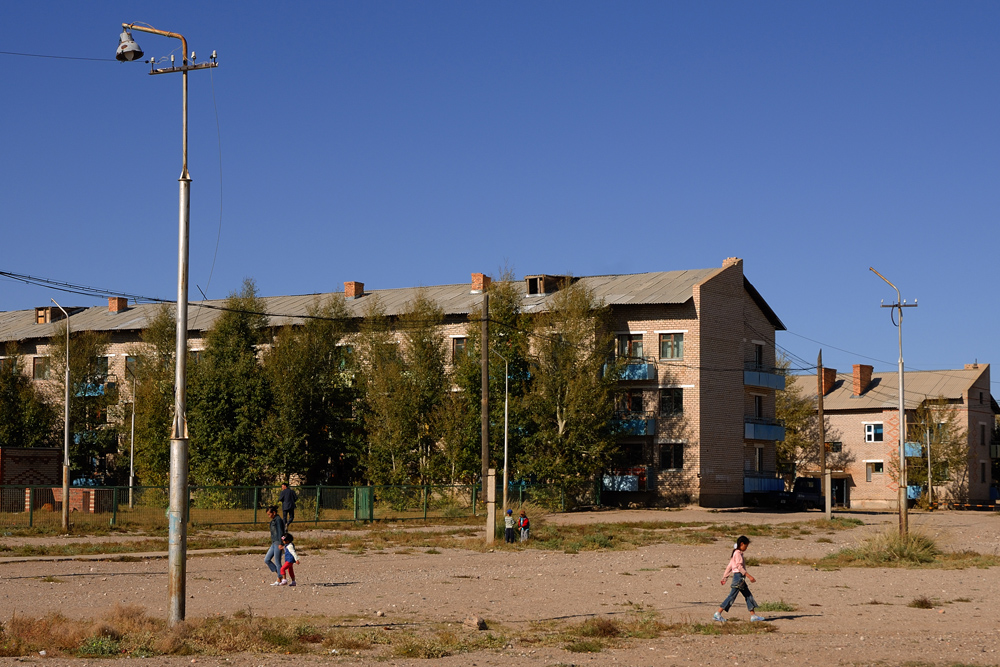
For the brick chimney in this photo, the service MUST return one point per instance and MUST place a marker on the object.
(862, 378)
(480, 283)
(829, 377)
(972, 367)
(117, 304)
(731, 261)
(354, 290)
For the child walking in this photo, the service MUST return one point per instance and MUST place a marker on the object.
(287, 572)
(524, 525)
(738, 569)
(508, 527)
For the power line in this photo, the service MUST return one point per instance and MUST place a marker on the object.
(42, 55)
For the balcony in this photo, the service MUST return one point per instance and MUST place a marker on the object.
(634, 423)
(626, 479)
(762, 428)
(758, 375)
(96, 385)
(635, 368)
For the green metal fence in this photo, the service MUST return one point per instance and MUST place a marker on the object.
(146, 507)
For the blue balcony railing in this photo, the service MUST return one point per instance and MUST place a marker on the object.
(634, 423)
(757, 375)
(761, 428)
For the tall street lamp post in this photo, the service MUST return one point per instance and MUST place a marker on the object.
(900, 304)
(128, 51)
(65, 503)
(506, 394)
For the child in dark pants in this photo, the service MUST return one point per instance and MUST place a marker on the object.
(738, 569)
(508, 527)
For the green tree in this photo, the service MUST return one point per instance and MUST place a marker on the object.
(308, 368)
(571, 400)
(508, 337)
(937, 421)
(795, 407)
(152, 370)
(93, 394)
(26, 418)
(229, 398)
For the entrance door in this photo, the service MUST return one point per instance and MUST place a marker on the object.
(838, 492)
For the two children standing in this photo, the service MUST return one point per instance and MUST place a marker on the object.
(512, 526)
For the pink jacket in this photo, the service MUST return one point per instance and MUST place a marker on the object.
(735, 565)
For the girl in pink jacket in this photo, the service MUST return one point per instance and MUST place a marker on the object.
(738, 569)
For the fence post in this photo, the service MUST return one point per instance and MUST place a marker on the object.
(426, 493)
(31, 507)
(318, 497)
(520, 495)
(475, 512)
(256, 502)
(114, 505)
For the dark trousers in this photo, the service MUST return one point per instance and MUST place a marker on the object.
(508, 535)
(288, 516)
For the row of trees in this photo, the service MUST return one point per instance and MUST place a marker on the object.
(337, 400)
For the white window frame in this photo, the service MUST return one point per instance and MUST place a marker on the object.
(872, 433)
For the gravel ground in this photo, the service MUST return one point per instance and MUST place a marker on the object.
(853, 616)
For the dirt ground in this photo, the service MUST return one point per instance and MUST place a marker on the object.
(853, 616)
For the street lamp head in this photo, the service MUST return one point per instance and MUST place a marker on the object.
(128, 50)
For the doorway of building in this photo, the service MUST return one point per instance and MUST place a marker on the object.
(838, 492)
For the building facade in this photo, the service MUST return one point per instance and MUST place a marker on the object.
(698, 394)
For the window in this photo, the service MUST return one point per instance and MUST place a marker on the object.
(457, 349)
(40, 369)
(982, 434)
(131, 366)
(196, 356)
(632, 401)
(630, 345)
(758, 406)
(671, 402)
(101, 367)
(834, 447)
(758, 459)
(982, 472)
(758, 355)
(7, 364)
(873, 432)
(671, 346)
(873, 468)
(672, 456)
(630, 456)
(980, 398)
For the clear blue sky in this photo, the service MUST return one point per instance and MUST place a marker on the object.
(412, 143)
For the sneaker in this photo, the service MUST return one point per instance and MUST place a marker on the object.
(283, 583)
(291, 583)
(718, 617)
(276, 583)
(755, 618)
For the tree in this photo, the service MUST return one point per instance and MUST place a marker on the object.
(508, 338)
(796, 408)
(311, 423)
(571, 399)
(937, 421)
(26, 418)
(230, 398)
(93, 393)
(152, 370)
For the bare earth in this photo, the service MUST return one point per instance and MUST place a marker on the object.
(835, 622)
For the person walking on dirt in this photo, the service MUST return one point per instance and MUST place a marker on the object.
(277, 527)
(287, 571)
(738, 569)
(287, 498)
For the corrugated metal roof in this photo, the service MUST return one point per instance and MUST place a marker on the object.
(883, 391)
(663, 287)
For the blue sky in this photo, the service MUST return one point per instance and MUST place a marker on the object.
(403, 143)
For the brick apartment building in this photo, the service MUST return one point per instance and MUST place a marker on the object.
(699, 388)
(862, 410)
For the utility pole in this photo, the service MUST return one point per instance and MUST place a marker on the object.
(900, 304)
(930, 484)
(823, 468)
(65, 498)
(485, 417)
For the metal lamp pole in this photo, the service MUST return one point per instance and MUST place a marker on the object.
(128, 50)
(65, 504)
(131, 449)
(900, 304)
(506, 394)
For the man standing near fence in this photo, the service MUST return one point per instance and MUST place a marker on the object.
(287, 498)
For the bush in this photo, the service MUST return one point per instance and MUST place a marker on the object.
(889, 548)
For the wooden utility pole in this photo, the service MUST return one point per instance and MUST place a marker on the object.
(823, 468)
